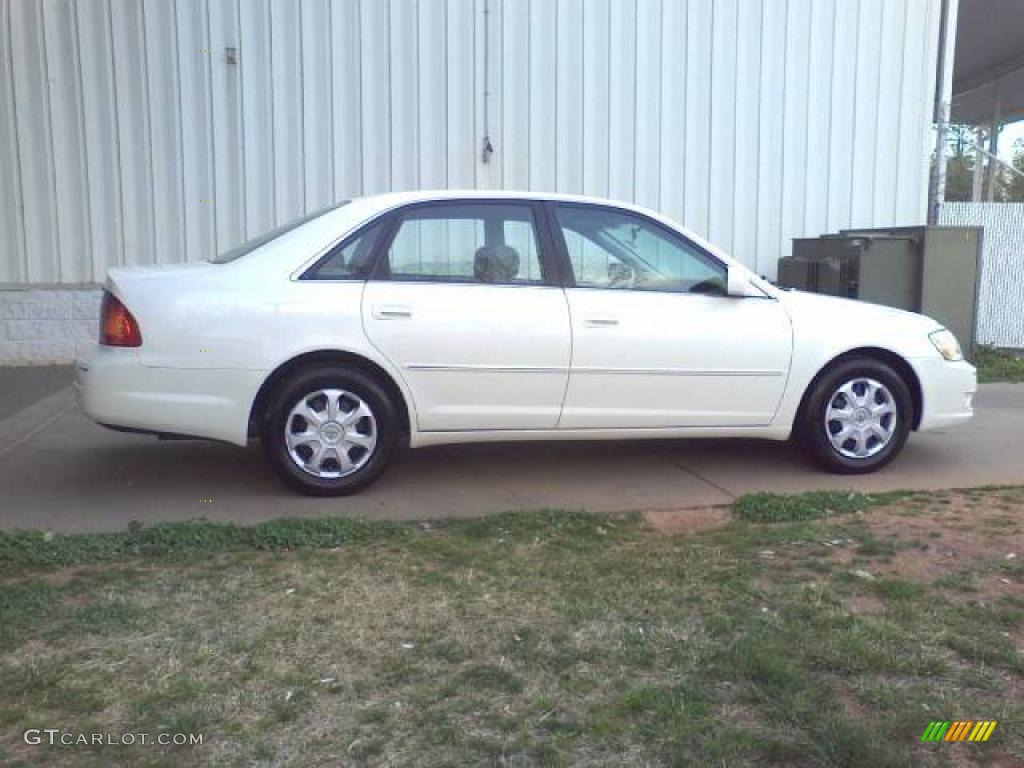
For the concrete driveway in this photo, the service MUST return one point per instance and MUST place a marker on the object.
(59, 471)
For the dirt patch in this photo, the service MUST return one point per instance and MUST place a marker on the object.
(677, 522)
(994, 587)
(955, 534)
(865, 604)
(62, 576)
(851, 705)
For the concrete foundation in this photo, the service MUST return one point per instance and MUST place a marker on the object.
(45, 326)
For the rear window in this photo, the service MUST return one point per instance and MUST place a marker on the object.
(251, 245)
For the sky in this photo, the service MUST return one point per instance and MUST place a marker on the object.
(1007, 136)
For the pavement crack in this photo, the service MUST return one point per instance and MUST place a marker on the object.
(683, 468)
(36, 430)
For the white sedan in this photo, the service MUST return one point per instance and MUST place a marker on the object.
(454, 317)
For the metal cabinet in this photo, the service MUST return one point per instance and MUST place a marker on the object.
(932, 270)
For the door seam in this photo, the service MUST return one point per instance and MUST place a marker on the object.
(384, 356)
(572, 352)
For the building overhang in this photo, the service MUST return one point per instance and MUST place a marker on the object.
(988, 69)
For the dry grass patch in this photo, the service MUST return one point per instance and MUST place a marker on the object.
(546, 638)
(677, 522)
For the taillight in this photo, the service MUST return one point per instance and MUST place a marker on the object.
(118, 328)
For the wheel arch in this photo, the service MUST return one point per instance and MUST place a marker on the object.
(890, 358)
(260, 403)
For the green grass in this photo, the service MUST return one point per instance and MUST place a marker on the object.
(996, 365)
(534, 638)
(35, 549)
(784, 507)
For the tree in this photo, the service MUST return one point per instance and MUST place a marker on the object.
(1013, 183)
(960, 165)
(1009, 186)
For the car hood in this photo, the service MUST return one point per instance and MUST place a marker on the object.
(838, 324)
(854, 309)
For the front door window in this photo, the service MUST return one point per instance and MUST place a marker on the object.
(616, 249)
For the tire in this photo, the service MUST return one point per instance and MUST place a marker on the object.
(309, 441)
(847, 412)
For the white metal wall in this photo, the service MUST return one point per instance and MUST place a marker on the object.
(127, 137)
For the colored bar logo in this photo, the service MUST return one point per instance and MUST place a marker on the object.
(958, 730)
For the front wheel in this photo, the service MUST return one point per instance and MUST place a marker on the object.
(857, 417)
(330, 431)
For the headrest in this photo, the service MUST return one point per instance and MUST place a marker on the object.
(495, 264)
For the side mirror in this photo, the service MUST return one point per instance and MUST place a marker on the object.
(737, 283)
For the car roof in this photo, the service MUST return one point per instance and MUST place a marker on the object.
(389, 200)
(373, 205)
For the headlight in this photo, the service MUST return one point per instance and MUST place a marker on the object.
(947, 345)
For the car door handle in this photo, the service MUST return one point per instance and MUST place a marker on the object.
(393, 312)
(600, 322)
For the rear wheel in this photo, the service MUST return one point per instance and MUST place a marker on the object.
(330, 431)
(857, 417)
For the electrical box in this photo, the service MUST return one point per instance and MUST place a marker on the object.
(890, 273)
(798, 272)
(931, 270)
(950, 280)
(836, 260)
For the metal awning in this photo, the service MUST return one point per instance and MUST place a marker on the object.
(988, 68)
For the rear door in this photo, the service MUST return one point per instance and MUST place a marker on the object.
(465, 303)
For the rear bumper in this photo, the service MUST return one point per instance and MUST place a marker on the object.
(115, 389)
(947, 391)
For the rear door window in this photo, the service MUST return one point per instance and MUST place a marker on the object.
(491, 243)
(352, 260)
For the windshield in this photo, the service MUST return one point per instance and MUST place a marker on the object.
(251, 245)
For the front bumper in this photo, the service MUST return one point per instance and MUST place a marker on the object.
(947, 391)
(115, 389)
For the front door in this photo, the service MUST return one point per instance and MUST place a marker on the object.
(656, 342)
(465, 305)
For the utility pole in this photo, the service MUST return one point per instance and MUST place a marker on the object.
(993, 141)
(978, 177)
(940, 116)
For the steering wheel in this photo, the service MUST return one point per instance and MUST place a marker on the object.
(621, 276)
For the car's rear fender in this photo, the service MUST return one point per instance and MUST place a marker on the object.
(342, 359)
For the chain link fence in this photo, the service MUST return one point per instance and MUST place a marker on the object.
(1001, 293)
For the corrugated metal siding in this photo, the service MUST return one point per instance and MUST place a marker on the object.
(126, 136)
